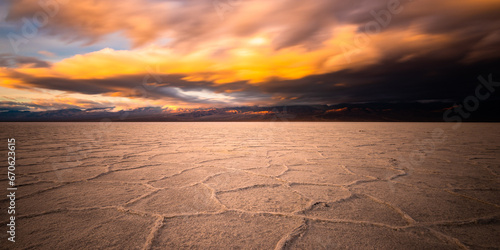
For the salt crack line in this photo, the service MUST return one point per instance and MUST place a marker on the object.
(405, 216)
(447, 239)
(153, 233)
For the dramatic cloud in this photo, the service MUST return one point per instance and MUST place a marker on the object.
(256, 52)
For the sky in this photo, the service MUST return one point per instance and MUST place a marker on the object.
(174, 54)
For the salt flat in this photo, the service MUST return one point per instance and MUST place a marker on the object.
(275, 185)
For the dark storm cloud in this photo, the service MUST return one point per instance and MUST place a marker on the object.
(416, 79)
(465, 32)
(389, 82)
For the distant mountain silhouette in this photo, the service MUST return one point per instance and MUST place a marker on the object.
(365, 112)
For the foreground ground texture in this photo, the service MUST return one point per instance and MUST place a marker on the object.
(276, 185)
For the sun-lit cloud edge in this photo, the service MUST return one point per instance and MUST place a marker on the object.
(254, 52)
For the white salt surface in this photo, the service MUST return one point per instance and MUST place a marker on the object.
(254, 185)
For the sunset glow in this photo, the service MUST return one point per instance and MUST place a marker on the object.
(57, 54)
